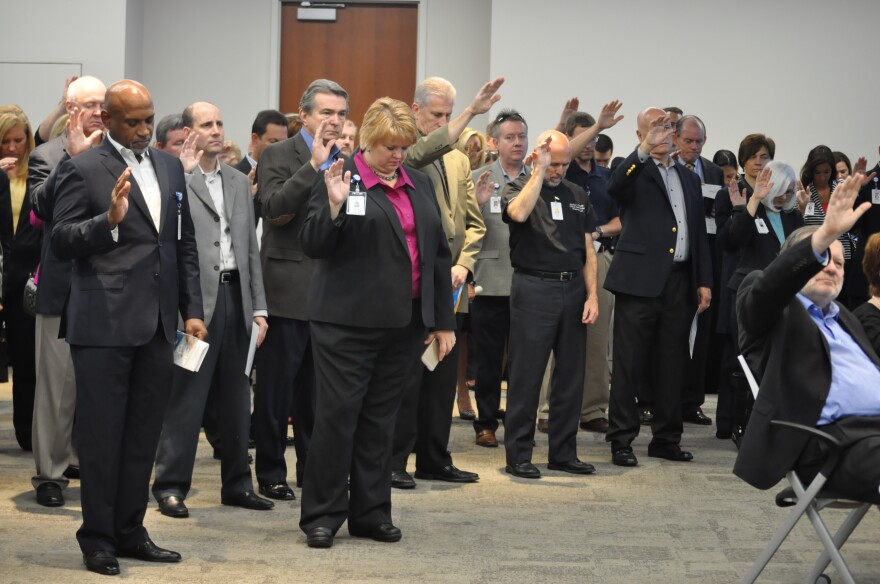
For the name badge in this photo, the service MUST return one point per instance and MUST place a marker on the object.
(357, 204)
(810, 209)
(762, 227)
(875, 196)
(495, 205)
(556, 210)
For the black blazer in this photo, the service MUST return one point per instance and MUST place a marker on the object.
(790, 358)
(285, 180)
(120, 291)
(364, 276)
(756, 250)
(244, 167)
(43, 167)
(21, 250)
(728, 252)
(642, 258)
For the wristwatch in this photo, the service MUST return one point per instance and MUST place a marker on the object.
(599, 230)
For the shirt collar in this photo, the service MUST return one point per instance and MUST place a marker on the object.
(369, 178)
(251, 160)
(211, 173)
(814, 310)
(123, 151)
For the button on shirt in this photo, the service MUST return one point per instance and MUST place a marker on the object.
(214, 182)
(855, 380)
(145, 176)
(675, 191)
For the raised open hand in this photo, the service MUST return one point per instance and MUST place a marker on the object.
(337, 183)
(483, 189)
(763, 186)
(659, 132)
(840, 215)
(189, 157)
(486, 97)
(736, 198)
(570, 107)
(320, 150)
(608, 116)
(77, 141)
(119, 199)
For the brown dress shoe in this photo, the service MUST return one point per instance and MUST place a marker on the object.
(598, 425)
(487, 438)
(543, 426)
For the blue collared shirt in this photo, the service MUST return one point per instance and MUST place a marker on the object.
(855, 380)
(334, 152)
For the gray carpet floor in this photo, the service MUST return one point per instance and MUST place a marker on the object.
(661, 522)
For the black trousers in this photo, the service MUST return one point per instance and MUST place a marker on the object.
(121, 395)
(361, 376)
(425, 417)
(21, 343)
(221, 379)
(650, 331)
(857, 475)
(544, 316)
(490, 327)
(285, 380)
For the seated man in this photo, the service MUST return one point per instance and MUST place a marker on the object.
(816, 365)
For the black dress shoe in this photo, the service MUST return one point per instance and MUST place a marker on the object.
(624, 457)
(101, 562)
(669, 452)
(383, 532)
(50, 495)
(523, 470)
(248, 500)
(450, 474)
(598, 425)
(319, 537)
(697, 417)
(72, 472)
(646, 416)
(400, 479)
(573, 466)
(173, 507)
(280, 491)
(149, 552)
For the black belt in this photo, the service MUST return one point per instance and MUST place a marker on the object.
(684, 265)
(230, 276)
(557, 276)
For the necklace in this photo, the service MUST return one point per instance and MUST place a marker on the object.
(385, 178)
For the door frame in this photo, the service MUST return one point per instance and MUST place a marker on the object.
(275, 40)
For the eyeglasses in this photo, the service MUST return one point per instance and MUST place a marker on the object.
(505, 116)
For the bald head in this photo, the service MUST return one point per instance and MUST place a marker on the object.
(128, 114)
(85, 96)
(560, 156)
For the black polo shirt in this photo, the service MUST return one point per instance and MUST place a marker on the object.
(594, 183)
(543, 243)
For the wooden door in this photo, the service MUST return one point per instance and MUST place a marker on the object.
(370, 50)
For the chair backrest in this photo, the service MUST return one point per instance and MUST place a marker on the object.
(753, 384)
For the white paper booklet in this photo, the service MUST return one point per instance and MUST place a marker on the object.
(189, 352)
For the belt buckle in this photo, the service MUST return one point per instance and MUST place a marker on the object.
(564, 276)
(225, 277)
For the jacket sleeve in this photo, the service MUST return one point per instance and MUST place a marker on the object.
(429, 148)
(281, 194)
(76, 233)
(320, 233)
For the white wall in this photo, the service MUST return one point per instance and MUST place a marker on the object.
(803, 73)
(45, 41)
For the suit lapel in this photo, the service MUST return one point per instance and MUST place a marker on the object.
(200, 189)
(115, 165)
(377, 195)
(161, 170)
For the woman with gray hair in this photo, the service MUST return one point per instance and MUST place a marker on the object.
(757, 230)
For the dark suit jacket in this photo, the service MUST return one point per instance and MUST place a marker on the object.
(364, 276)
(43, 168)
(756, 250)
(120, 291)
(21, 250)
(712, 175)
(789, 356)
(285, 180)
(728, 252)
(244, 166)
(642, 258)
